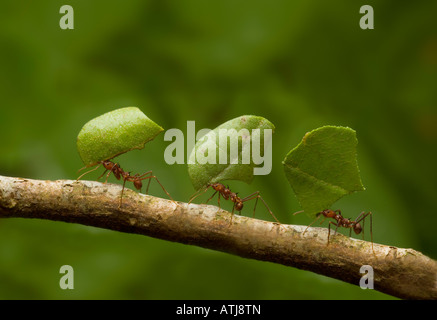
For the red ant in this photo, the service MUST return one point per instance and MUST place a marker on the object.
(227, 194)
(344, 222)
(120, 173)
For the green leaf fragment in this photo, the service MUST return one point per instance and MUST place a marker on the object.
(114, 133)
(323, 168)
(238, 165)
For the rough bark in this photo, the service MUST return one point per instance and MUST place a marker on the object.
(403, 273)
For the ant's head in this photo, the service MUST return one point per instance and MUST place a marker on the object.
(108, 164)
(358, 228)
(217, 186)
(328, 213)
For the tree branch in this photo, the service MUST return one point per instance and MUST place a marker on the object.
(403, 273)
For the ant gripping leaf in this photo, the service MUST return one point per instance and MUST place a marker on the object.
(236, 150)
(323, 168)
(114, 133)
(232, 151)
(119, 173)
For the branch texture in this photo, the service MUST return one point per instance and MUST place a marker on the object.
(404, 273)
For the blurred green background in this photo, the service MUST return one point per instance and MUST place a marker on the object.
(299, 63)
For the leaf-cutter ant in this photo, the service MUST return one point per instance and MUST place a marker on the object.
(119, 173)
(227, 194)
(344, 222)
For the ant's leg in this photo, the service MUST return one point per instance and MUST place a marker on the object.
(103, 174)
(257, 195)
(232, 215)
(317, 218)
(107, 176)
(194, 196)
(211, 197)
(270, 211)
(88, 171)
(254, 207)
(371, 232)
(81, 169)
(311, 224)
(251, 196)
(361, 217)
(198, 193)
(154, 177)
(336, 228)
(329, 229)
(121, 195)
(150, 177)
(218, 200)
(148, 184)
(145, 174)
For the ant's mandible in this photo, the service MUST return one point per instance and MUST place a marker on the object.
(227, 194)
(344, 222)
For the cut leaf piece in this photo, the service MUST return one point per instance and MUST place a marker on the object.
(212, 161)
(114, 133)
(323, 168)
